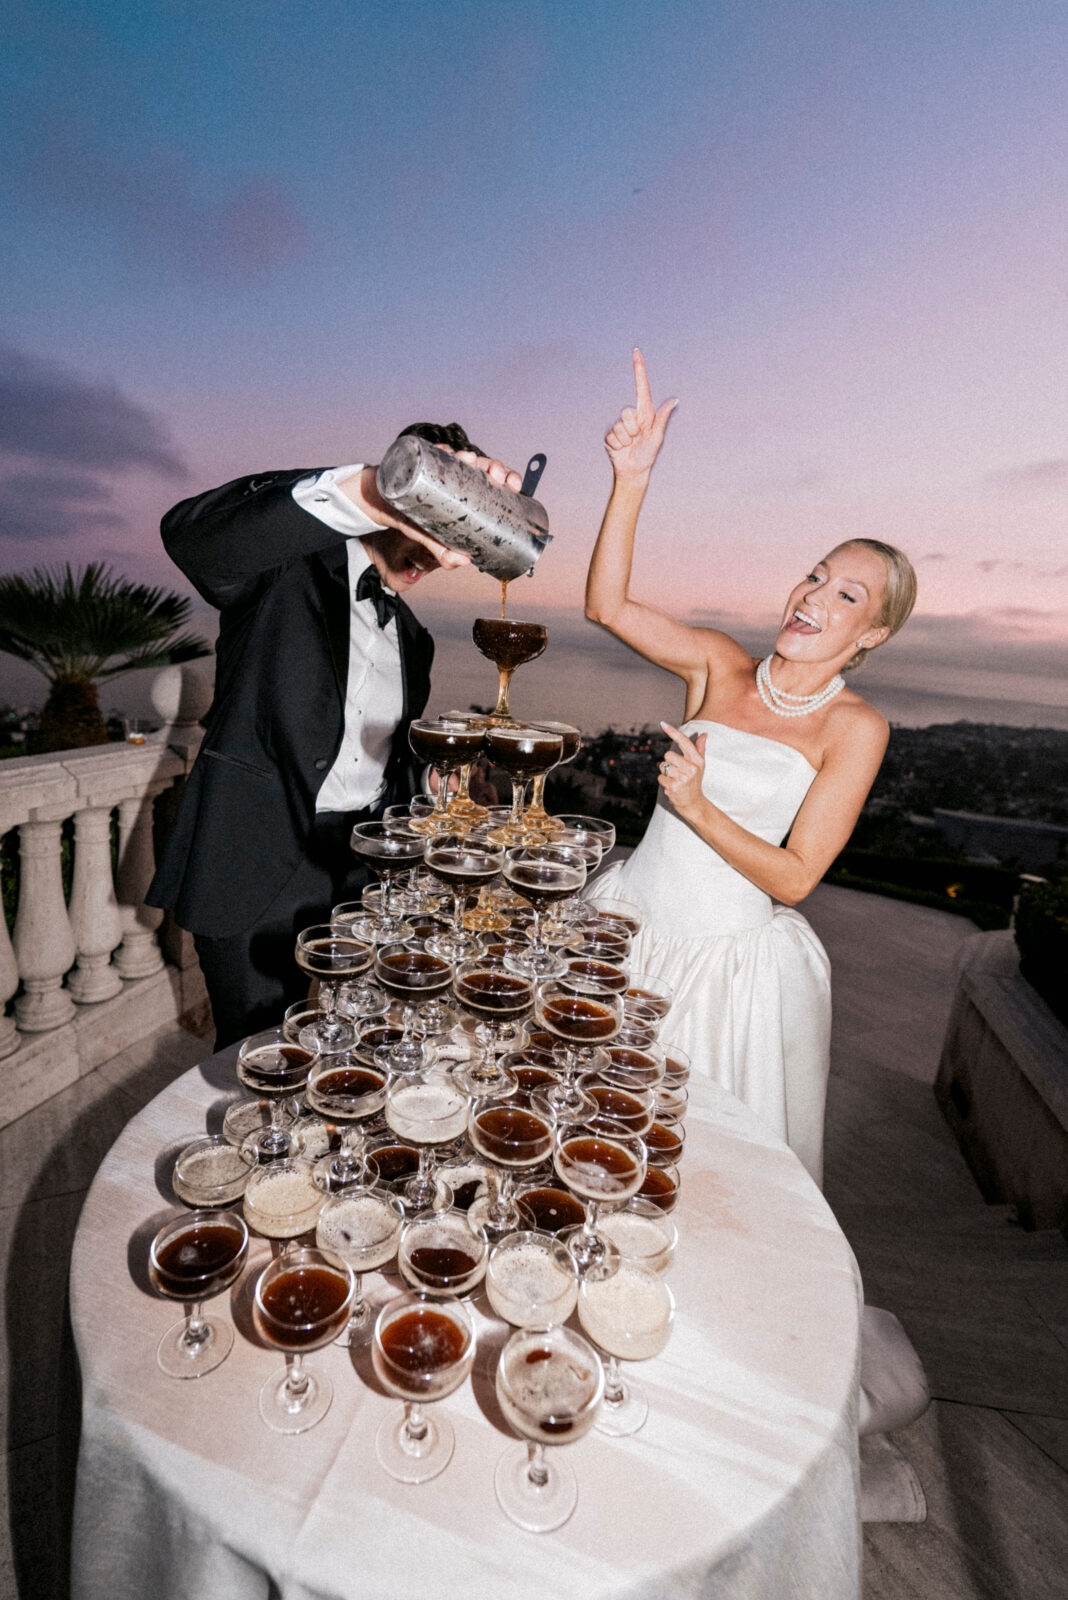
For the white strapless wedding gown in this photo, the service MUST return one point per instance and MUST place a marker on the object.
(752, 1001)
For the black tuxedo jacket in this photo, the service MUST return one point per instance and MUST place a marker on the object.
(279, 578)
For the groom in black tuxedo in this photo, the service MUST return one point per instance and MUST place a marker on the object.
(320, 668)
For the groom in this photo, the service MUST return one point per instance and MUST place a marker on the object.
(320, 668)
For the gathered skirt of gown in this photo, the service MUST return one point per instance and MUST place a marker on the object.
(752, 994)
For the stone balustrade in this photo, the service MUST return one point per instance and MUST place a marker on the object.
(89, 977)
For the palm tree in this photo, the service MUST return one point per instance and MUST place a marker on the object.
(79, 629)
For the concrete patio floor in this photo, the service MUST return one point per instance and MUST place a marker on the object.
(985, 1303)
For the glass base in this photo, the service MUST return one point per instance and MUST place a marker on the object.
(454, 946)
(537, 1507)
(330, 1176)
(407, 1056)
(328, 1037)
(566, 1103)
(267, 1144)
(531, 963)
(296, 1414)
(178, 1359)
(247, 1116)
(415, 1460)
(594, 1255)
(484, 1217)
(620, 1418)
(482, 1085)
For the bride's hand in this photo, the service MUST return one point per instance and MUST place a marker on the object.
(633, 443)
(682, 770)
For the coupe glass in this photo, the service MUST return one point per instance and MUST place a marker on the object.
(497, 999)
(600, 1167)
(332, 957)
(655, 994)
(281, 1200)
(543, 874)
(628, 1315)
(549, 1385)
(642, 1232)
(360, 997)
(303, 1300)
(209, 1173)
(440, 1254)
(390, 852)
(531, 1280)
(426, 1109)
(536, 815)
(547, 1208)
(362, 1226)
(661, 1187)
(579, 1015)
(523, 753)
(626, 1110)
(422, 1351)
(605, 831)
(274, 1068)
(246, 1116)
(665, 1141)
(344, 1091)
(447, 744)
(511, 1136)
(194, 1256)
(508, 644)
(411, 974)
(613, 913)
(464, 866)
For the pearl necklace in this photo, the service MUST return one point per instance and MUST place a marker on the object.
(793, 705)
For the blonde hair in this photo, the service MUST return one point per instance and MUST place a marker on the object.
(899, 593)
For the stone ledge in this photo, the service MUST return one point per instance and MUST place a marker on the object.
(1003, 1084)
(45, 1063)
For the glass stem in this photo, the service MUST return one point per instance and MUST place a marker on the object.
(275, 1137)
(519, 793)
(589, 1221)
(614, 1389)
(459, 900)
(501, 1209)
(462, 795)
(359, 1305)
(196, 1329)
(504, 678)
(536, 808)
(537, 1468)
(415, 1424)
(296, 1384)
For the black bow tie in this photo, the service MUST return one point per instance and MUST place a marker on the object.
(370, 587)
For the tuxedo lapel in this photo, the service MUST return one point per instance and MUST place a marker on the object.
(331, 575)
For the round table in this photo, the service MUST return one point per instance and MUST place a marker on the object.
(743, 1482)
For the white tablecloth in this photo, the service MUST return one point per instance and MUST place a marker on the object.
(742, 1484)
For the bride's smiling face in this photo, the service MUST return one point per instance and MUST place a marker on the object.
(833, 611)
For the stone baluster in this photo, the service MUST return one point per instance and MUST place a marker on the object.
(94, 915)
(44, 941)
(9, 982)
(139, 954)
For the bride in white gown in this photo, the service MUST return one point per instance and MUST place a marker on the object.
(769, 751)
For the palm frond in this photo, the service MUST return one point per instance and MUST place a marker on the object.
(74, 625)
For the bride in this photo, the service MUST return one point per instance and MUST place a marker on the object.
(769, 751)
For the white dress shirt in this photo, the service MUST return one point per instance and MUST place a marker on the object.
(374, 691)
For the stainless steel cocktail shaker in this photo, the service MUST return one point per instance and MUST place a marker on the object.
(504, 533)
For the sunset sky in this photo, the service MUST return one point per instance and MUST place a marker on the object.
(247, 234)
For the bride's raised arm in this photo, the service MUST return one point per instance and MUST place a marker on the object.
(633, 444)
